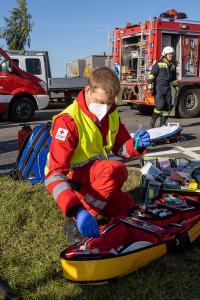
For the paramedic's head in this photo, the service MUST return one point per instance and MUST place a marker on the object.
(168, 53)
(103, 86)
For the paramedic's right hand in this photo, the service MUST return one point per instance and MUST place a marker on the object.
(86, 224)
(141, 139)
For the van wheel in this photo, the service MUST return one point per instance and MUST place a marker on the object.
(189, 103)
(22, 110)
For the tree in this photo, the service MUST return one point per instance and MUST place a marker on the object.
(18, 27)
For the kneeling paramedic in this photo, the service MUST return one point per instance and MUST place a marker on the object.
(160, 79)
(82, 137)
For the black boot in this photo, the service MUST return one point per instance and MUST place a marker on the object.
(163, 120)
(71, 231)
(153, 120)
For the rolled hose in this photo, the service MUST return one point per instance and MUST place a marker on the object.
(6, 291)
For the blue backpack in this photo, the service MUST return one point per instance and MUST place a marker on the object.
(31, 160)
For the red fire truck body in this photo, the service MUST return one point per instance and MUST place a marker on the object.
(137, 47)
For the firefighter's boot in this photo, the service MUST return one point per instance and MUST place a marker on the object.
(153, 120)
(163, 120)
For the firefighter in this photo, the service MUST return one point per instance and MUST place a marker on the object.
(82, 137)
(161, 77)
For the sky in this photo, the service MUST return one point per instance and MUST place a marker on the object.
(70, 30)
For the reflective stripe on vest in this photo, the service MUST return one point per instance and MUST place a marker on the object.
(90, 145)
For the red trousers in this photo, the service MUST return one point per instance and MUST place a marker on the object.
(102, 180)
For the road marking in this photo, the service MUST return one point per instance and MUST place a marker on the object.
(187, 151)
(192, 148)
(5, 171)
(166, 152)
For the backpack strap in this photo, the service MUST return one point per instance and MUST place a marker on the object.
(15, 174)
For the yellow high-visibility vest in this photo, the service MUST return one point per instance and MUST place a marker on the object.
(90, 145)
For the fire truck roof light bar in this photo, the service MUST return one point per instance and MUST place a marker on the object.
(172, 15)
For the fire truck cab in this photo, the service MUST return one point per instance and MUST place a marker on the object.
(137, 47)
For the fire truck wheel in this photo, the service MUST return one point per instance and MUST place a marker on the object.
(22, 110)
(189, 103)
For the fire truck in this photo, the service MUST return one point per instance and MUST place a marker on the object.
(137, 47)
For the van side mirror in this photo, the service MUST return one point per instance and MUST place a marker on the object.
(6, 66)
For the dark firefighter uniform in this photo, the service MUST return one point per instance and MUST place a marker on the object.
(160, 79)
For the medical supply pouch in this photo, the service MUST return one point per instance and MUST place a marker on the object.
(178, 175)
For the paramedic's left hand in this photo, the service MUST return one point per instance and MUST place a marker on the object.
(86, 224)
(142, 139)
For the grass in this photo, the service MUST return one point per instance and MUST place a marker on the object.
(32, 237)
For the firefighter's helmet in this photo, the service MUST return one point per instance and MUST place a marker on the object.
(167, 50)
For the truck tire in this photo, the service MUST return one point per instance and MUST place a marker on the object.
(22, 110)
(189, 103)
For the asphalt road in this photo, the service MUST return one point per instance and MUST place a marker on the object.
(132, 119)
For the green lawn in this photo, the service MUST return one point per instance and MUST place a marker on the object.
(32, 237)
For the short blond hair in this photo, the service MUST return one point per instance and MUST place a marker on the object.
(105, 79)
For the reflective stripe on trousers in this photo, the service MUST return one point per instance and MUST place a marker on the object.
(58, 189)
(161, 112)
(95, 202)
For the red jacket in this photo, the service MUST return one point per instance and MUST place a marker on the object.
(61, 152)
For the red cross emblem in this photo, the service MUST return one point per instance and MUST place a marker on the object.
(61, 134)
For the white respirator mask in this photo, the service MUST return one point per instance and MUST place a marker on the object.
(99, 109)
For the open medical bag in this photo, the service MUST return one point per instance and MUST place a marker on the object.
(169, 224)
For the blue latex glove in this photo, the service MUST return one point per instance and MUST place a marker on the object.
(142, 139)
(86, 224)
